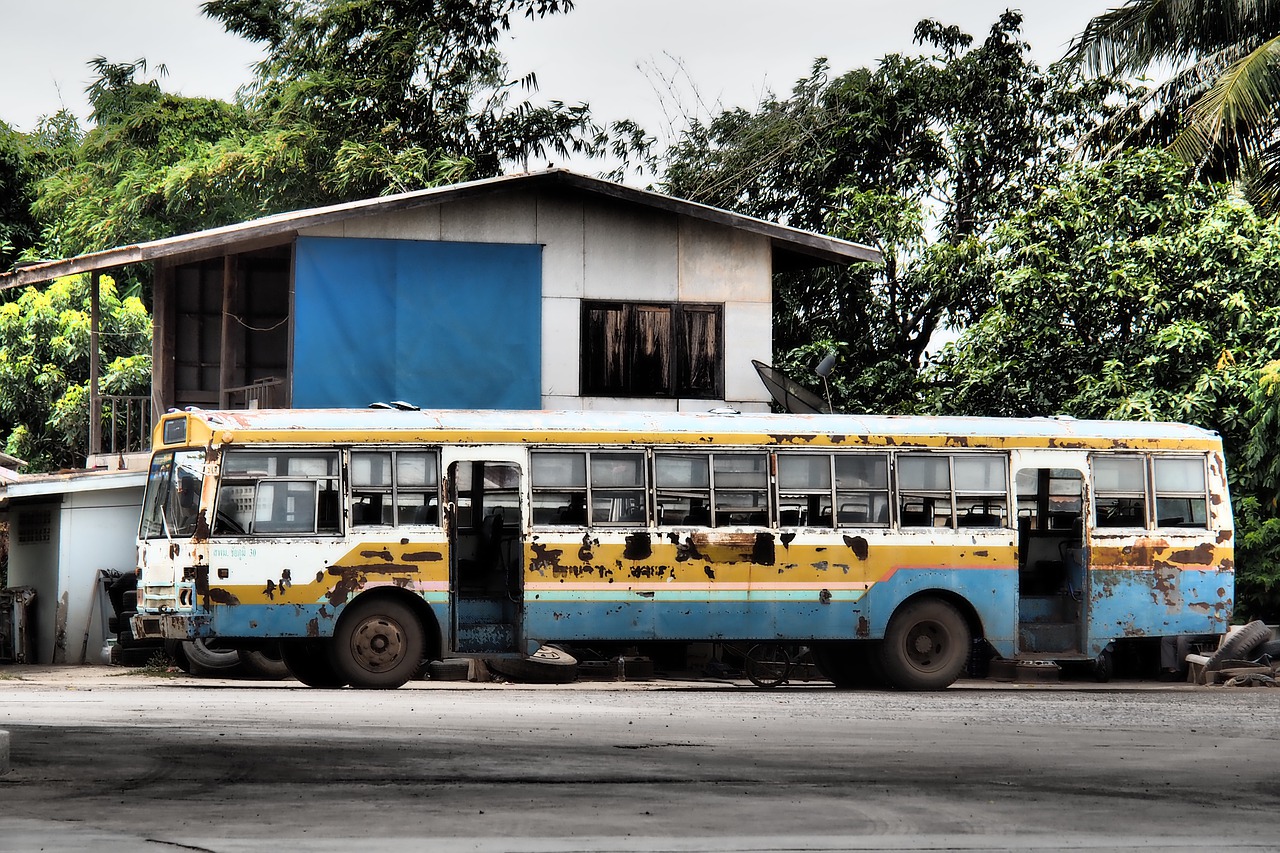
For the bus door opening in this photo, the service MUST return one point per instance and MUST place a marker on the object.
(486, 555)
(1051, 561)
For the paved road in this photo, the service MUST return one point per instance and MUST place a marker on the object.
(107, 762)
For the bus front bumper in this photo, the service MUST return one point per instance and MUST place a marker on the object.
(171, 626)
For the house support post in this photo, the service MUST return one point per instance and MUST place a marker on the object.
(95, 398)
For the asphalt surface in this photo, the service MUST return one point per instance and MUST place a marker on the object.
(105, 761)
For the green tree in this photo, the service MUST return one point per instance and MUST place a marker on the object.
(44, 366)
(18, 229)
(1218, 108)
(916, 157)
(1131, 291)
(128, 180)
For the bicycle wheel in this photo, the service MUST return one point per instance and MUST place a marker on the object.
(768, 664)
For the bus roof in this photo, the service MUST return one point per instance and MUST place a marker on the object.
(584, 427)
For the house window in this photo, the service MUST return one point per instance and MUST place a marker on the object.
(638, 349)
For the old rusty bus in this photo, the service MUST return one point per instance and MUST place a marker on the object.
(368, 541)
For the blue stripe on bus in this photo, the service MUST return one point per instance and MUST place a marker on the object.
(1191, 603)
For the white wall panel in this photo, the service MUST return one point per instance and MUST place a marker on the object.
(748, 334)
(505, 218)
(561, 329)
(422, 223)
(719, 264)
(560, 231)
(629, 254)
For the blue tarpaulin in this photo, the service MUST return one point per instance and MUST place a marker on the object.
(440, 325)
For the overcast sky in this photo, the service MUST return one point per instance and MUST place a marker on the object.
(618, 55)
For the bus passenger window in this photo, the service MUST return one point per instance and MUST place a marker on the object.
(862, 490)
(682, 482)
(417, 484)
(981, 490)
(924, 491)
(1120, 491)
(804, 489)
(741, 484)
(371, 488)
(618, 492)
(559, 483)
(1182, 498)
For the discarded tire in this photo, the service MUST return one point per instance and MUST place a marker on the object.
(548, 665)
(1271, 648)
(1239, 644)
(449, 669)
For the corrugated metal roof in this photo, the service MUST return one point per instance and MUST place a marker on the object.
(792, 246)
(520, 425)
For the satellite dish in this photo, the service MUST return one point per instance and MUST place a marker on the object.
(789, 394)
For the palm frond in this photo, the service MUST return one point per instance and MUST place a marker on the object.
(1239, 105)
(1130, 39)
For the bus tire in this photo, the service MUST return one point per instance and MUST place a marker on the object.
(1238, 644)
(173, 648)
(205, 657)
(378, 644)
(265, 663)
(308, 661)
(925, 646)
(850, 666)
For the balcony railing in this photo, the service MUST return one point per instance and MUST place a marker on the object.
(127, 422)
(263, 394)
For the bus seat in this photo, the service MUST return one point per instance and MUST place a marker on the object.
(699, 515)
(789, 518)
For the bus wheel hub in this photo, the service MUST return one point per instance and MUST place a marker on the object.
(378, 644)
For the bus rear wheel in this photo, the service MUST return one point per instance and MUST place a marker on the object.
(308, 661)
(851, 665)
(378, 644)
(925, 646)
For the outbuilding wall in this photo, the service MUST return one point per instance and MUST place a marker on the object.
(599, 249)
(57, 545)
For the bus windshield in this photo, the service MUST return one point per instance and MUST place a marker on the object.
(172, 502)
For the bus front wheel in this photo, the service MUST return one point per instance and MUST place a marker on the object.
(378, 644)
(308, 661)
(925, 645)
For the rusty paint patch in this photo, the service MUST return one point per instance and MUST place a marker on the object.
(864, 628)
(824, 596)
(202, 581)
(1201, 555)
(1224, 536)
(786, 538)
(270, 591)
(384, 554)
(313, 628)
(544, 558)
(424, 557)
(639, 546)
(1164, 587)
(350, 579)
(982, 553)
(857, 544)
(709, 572)
(202, 527)
(763, 552)
(687, 550)
(222, 596)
